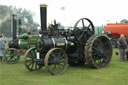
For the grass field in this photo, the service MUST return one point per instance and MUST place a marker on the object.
(116, 73)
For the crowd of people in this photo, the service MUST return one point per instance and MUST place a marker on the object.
(123, 48)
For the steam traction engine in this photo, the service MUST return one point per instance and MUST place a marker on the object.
(66, 46)
(18, 45)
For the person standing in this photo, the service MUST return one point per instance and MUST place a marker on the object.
(122, 46)
(2, 46)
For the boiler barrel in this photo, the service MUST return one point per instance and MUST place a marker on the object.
(49, 43)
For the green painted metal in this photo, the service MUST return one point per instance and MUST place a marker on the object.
(23, 44)
(25, 36)
(32, 39)
(99, 29)
(26, 43)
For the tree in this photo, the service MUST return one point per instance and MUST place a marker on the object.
(124, 21)
(25, 15)
(6, 28)
(5, 21)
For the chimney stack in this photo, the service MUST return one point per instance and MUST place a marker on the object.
(14, 25)
(43, 14)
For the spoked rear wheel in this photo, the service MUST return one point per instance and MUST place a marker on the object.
(98, 51)
(11, 56)
(56, 61)
(29, 62)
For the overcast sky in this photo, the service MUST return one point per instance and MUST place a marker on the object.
(99, 11)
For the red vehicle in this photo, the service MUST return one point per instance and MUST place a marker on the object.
(116, 29)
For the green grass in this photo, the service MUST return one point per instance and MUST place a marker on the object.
(116, 73)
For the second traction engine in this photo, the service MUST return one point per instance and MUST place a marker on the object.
(58, 47)
(21, 41)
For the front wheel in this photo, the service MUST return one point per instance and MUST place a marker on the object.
(11, 56)
(56, 61)
(29, 62)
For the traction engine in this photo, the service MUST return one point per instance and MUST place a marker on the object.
(75, 46)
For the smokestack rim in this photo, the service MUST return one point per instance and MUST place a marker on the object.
(43, 5)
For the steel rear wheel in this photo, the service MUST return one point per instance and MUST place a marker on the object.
(56, 61)
(29, 62)
(98, 51)
(11, 56)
